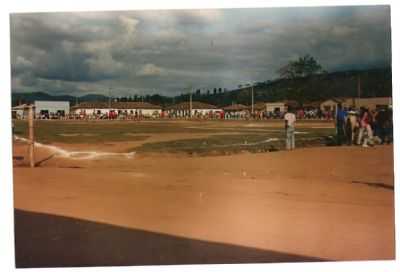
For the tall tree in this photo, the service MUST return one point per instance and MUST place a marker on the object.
(303, 67)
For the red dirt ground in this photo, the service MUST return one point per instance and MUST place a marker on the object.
(334, 203)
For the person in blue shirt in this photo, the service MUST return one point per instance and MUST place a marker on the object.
(340, 123)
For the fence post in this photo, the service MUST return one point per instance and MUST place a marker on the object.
(31, 137)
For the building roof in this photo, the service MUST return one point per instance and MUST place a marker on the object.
(260, 106)
(291, 103)
(50, 102)
(236, 107)
(20, 107)
(362, 99)
(116, 105)
(195, 106)
(313, 104)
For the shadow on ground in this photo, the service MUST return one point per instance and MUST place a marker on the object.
(375, 184)
(43, 240)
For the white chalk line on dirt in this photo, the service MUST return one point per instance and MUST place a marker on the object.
(236, 128)
(252, 130)
(78, 155)
(249, 144)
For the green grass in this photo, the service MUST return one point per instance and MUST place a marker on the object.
(73, 132)
(245, 139)
(48, 131)
(231, 144)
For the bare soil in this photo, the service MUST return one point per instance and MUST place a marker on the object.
(330, 203)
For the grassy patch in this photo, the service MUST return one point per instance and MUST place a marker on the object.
(246, 139)
(66, 132)
(231, 144)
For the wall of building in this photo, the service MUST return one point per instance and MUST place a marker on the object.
(329, 105)
(182, 113)
(370, 103)
(145, 112)
(205, 111)
(270, 107)
(52, 106)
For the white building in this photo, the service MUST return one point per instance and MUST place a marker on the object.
(51, 108)
(124, 108)
(371, 103)
(271, 107)
(275, 107)
(195, 108)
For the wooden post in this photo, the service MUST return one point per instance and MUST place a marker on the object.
(31, 137)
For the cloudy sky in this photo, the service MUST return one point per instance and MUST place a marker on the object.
(170, 51)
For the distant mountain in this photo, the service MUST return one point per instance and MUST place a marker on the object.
(373, 83)
(93, 97)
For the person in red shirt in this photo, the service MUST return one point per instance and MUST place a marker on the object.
(365, 126)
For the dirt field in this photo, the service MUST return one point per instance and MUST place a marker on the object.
(311, 204)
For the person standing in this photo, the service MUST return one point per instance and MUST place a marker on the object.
(351, 126)
(365, 126)
(379, 125)
(340, 122)
(290, 119)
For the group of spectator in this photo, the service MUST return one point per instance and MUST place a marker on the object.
(364, 127)
(314, 113)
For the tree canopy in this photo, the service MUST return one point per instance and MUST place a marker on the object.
(303, 67)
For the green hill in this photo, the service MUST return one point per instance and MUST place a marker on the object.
(373, 82)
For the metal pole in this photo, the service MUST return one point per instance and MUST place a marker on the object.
(31, 137)
(109, 103)
(252, 99)
(190, 105)
(359, 91)
(109, 98)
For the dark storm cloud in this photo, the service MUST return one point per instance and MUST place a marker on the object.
(171, 51)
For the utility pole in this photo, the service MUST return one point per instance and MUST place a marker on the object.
(109, 98)
(252, 99)
(359, 89)
(109, 103)
(31, 136)
(190, 104)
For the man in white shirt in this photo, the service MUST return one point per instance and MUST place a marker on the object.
(290, 119)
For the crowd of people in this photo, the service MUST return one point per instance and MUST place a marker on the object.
(363, 127)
